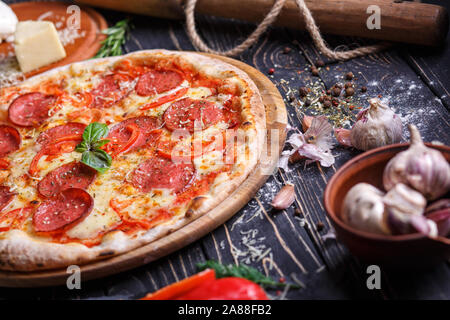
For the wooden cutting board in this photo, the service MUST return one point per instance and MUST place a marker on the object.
(81, 48)
(276, 118)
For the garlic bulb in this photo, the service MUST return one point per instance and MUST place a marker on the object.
(403, 199)
(363, 209)
(376, 126)
(420, 167)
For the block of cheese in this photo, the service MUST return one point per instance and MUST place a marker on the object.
(37, 44)
(8, 21)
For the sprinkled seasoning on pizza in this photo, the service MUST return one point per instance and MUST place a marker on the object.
(103, 156)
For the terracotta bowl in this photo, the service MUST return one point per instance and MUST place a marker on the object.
(411, 250)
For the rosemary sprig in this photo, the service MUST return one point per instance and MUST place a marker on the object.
(242, 271)
(116, 37)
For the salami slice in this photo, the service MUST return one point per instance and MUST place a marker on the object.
(70, 130)
(69, 208)
(9, 140)
(155, 82)
(157, 173)
(5, 196)
(30, 109)
(112, 89)
(121, 135)
(184, 113)
(70, 175)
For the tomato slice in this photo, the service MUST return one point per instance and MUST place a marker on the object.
(17, 216)
(135, 132)
(165, 99)
(182, 287)
(53, 150)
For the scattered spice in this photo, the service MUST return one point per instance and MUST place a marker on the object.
(307, 102)
(363, 89)
(327, 103)
(336, 91)
(349, 76)
(348, 85)
(303, 92)
(297, 212)
(271, 71)
(314, 71)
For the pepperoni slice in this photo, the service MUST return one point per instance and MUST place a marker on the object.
(5, 196)
(184, 113)
(69, 131)
(162, 173)
(155, 82)
(70, 207)
(9, 140)
(121, 135)
(70, 175)
(30, 109)
(111, 90)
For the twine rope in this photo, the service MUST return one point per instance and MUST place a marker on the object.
(311, 26)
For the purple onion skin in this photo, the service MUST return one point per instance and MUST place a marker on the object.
(437, 205)
(411, 224)
(442, 219)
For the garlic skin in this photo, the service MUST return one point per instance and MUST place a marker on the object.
(403, 199)
(284, 198)
(419, 167)
(363, 209)
(376, 126)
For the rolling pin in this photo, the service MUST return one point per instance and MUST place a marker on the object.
(409, 22)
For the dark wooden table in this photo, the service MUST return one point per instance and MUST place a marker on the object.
(415, 80)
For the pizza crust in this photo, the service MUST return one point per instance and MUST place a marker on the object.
(20, 252)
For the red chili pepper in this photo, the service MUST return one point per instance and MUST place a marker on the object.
(226, 289)
(271, 70)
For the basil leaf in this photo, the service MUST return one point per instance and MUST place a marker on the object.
(97, 159)
(99, 144)
(94, 132)
(82, 147)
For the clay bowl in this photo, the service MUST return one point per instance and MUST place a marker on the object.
(412, 250)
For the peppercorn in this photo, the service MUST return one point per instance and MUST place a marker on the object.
(271, 71)
(327, 103)
(337, 85)
(328, 92)
(286, 50)
(307, 102)
(348, 85)
(320, 226)
(320, 63)
(303, 92)
(363, 89)
(297, 212)
(349, 76)
(336, 92)
(349, 92)
(291, 97)
(321, 99)
(314, 71)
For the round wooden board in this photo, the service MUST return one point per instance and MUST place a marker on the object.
(276, 117)
(82, 48)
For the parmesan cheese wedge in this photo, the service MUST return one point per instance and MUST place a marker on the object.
(8, 21)
(37, 44)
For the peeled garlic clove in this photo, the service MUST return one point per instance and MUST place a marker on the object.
(363, 209)
(405, 200)
(420, 167)
(376, 126)
(284, 198)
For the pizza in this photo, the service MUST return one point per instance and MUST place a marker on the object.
(103, 156)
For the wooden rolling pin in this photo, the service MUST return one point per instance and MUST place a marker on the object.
(409, 22)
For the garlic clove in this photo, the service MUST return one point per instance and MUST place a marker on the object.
(363, 209)
(419, 167)
(306, 122)
(376, 126)
(284, 198)
(343, 137)
(405, 200)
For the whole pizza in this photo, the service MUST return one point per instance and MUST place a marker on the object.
(103, 156)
